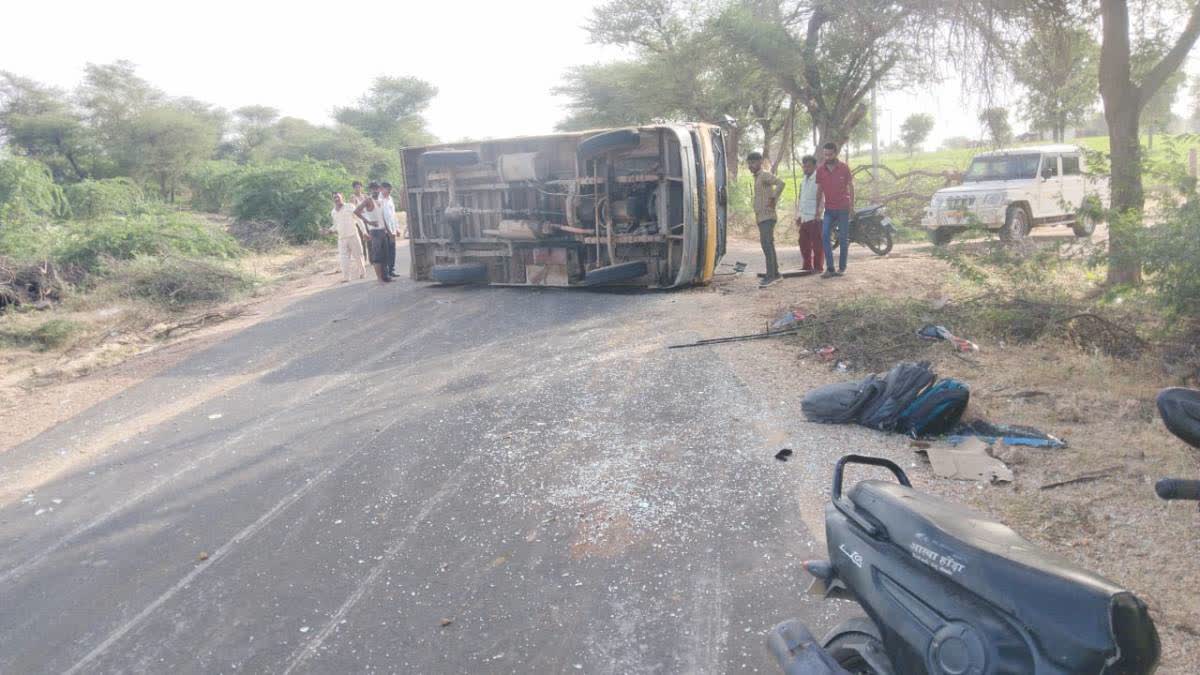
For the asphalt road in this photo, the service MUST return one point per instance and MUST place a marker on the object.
(323, 491)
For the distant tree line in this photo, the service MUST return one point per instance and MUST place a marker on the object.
(115, 124)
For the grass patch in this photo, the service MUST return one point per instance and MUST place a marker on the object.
(177, 283)
(42, 336)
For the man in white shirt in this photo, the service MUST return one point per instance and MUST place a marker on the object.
(345, 225)
(390, 223)
(370, 210)
(808, 217)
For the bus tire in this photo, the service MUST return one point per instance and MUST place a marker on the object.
(615, 274)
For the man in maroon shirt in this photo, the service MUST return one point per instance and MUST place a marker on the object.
(837, 189)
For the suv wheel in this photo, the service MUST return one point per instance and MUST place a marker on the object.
(1016, 223)
(941, 236)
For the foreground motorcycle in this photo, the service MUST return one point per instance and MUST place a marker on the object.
(872, 228)
(948, 591)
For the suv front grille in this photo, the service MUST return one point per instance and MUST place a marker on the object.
(960, 203)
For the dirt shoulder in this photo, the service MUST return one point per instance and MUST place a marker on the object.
(39, 389)
(1103, 407)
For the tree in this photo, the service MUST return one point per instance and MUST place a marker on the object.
(165, 142)
(681, 69)
(110, 97)
(1157, 115)
(253, 124)
(915, 130)
(830, 78)
(995, 123)
(1058, 67)
(1124, 99)
(391, 113)
(37, 121)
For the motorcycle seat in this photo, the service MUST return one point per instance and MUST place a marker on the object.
(991, 561)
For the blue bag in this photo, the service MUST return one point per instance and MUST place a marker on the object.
(934, 411)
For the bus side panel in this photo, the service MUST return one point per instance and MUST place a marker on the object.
(690, 261)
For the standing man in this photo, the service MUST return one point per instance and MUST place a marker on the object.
(837, 189)
(356, 199)
(390, 224)
(767, 189)
(345, 224)
(808, 217)
(371, 214)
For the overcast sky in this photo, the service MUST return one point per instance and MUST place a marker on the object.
(494, 63)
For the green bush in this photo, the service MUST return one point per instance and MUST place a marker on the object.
(178, 282)
(294, 194)
(212, 185)
(88, 245)
(91, 199)
(52, 334)
(1171, 254)
(28, 193)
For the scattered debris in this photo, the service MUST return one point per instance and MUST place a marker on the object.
(1028, 394)
(969, 460)
(787, 319)
(826, 353)
(445, 622)
(203, 555)
(737, 338)
(304, 629)
(783, 454)
(206, 319)
(920, 445)
(933, 332)
(215, 416)
(1086, 477)
(789, 274)
(1010, 434)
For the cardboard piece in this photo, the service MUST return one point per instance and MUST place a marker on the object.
(968, 460)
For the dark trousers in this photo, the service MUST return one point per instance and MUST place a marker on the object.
(839, 219)
(766, 237)
(391, 255)
(811, 250)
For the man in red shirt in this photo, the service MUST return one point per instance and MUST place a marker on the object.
(837, 190)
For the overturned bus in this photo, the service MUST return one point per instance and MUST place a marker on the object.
(631, 207)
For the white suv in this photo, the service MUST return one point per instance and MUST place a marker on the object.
(1016, 189)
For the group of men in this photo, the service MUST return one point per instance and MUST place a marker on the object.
(366, 226)
(823, 205)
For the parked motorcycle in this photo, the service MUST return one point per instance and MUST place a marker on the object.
(948, 591)
(1180, 412)
(872, 228)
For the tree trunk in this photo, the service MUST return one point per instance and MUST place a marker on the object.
(1122, 112)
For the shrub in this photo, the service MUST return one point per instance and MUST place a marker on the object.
(178, 282)
(88, 245)
(1171, 253)
(28, 193)
(52, 334)
(91, 199)
(261, 236)
(212, 185)
(293, 194)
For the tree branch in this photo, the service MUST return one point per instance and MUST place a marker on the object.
(1172, 61)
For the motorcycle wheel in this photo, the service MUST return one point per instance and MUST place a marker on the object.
(856, 646)
(879, 241)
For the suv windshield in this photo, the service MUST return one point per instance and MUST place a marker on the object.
(1002, 167)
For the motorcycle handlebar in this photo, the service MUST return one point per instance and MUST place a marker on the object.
(1178, 488)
